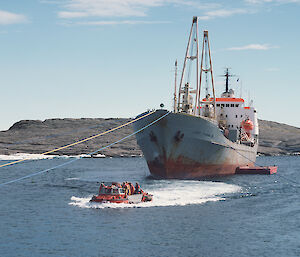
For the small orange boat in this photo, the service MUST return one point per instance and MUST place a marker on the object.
(114, 192)
(267, 170)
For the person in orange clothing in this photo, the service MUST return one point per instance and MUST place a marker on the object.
(132, 188)
(127, 188)
(137, 188)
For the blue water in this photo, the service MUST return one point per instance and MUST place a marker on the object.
(242, 215)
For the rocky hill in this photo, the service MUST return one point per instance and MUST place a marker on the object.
(35, 136)
(277, 138)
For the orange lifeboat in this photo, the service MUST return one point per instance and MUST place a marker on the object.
(120, 193)
(247, 125)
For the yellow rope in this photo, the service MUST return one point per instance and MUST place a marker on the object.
(80, 141)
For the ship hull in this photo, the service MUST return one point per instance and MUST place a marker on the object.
(183, 146)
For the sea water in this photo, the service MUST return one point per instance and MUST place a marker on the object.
(241, 215)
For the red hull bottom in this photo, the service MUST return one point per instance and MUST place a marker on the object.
(178, 170)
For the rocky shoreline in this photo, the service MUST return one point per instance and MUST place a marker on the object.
(35, 136)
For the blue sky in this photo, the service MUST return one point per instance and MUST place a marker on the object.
(114, 58)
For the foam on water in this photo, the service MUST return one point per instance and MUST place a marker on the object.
(68, 179)
(22, 156)
(170, 193)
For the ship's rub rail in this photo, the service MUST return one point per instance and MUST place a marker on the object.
(228, 146)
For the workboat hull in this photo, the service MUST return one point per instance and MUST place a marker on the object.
(137, 198)
(184, 146)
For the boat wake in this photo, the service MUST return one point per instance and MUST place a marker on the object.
(170, 193)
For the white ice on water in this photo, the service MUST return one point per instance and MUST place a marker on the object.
(29, 156)
(174, 193)
(22, 156)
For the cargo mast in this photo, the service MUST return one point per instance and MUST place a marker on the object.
(175, 89)
(209, 108)
(185, 99)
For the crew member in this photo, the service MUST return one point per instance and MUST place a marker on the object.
(131, 189)
(137, 188)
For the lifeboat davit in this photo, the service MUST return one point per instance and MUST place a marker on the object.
(247, 126)
(115, 192)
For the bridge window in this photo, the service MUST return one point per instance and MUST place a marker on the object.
(227, 105)
(218, 105)
(222, 105)
(232, 105)
(236, 105)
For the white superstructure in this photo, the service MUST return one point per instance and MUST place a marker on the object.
(231, 111)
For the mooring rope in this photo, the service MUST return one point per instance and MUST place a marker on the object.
(98, 150)
(80, 141)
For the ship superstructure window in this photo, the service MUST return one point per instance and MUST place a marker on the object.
(226, 115)
(236, 105)
(232, 105)
(218, 105)
(222, 105)
(227, 105)
(236, 116)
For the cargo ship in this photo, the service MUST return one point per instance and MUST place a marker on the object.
(203, 135)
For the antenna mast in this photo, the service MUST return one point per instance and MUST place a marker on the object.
(227, 75)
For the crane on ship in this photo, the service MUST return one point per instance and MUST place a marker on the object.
(189, 92)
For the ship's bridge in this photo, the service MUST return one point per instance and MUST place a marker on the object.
(231, 111)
